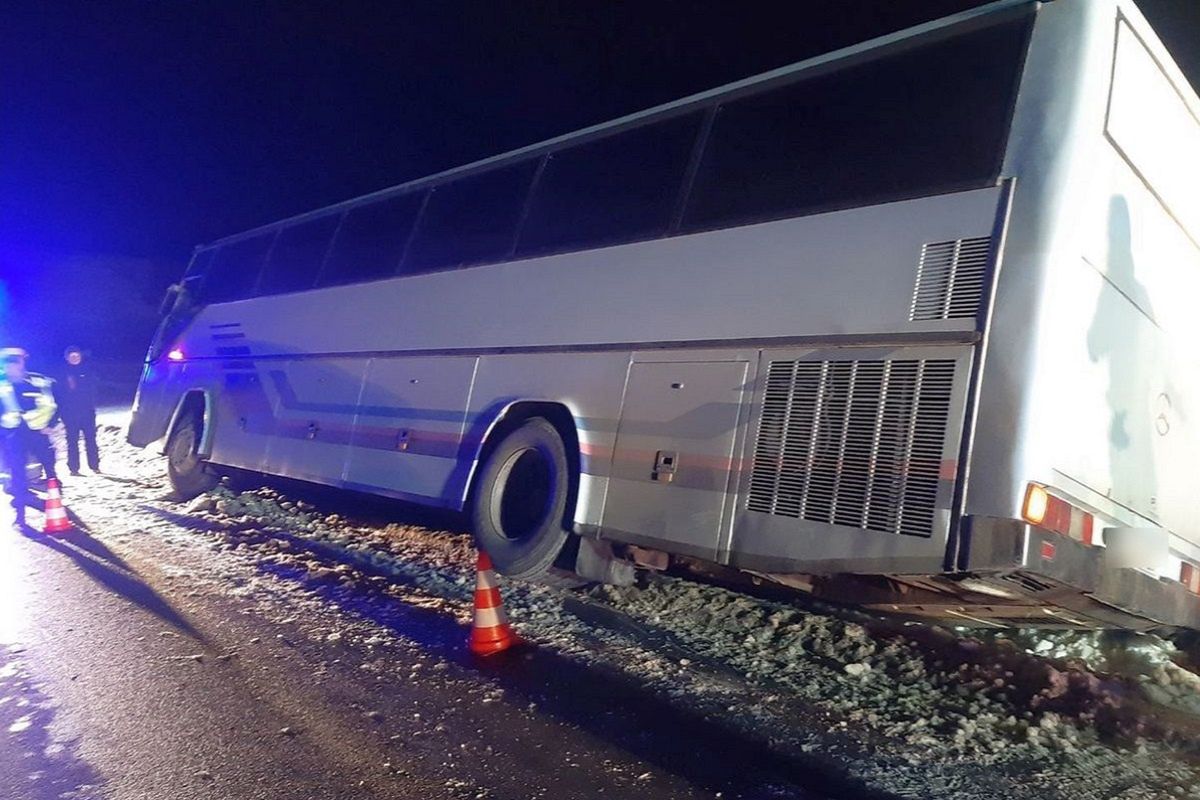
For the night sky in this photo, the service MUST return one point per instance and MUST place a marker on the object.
(135, 130)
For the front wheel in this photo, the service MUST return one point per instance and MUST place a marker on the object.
(186, 470)
(518, 509)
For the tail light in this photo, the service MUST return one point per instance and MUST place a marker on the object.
(1189, 576)
(1045, 511)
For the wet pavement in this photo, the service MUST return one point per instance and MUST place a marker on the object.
(120, 678)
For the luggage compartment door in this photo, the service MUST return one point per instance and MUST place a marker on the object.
(243, 416)
(410, 424)
(314, 419)
(670, 480)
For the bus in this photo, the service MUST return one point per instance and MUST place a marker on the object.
(911, 324)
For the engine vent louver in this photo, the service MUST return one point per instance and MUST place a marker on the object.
(950, 278)
(855, 443)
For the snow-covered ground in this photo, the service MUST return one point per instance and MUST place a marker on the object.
(904, 710)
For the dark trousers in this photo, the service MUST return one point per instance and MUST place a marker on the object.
(85, 425)
(20, 446)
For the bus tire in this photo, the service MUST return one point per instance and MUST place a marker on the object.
(518, 508)
(186, 470)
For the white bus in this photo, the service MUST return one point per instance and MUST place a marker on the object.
(911, 324)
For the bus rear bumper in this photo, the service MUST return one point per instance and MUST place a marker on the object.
(1078, 577)
(1020, 576)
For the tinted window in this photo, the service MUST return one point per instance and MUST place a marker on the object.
(620, 188)
(470, 220)
(297, 255)
(235, 268)
(371, 240)
(926, 120)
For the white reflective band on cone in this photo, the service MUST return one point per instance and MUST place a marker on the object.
(490, 617)
(486, 580)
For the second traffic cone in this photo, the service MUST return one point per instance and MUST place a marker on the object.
(56, 515)
(491, 632)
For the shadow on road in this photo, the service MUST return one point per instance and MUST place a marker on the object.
(106, 568)
(81, 537)
(34, 764)
(603, 701)
(126, 481)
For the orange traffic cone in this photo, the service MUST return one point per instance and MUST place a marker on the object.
(56, 515)
(491, 632)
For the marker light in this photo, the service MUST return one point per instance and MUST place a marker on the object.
(175, 355)
(1037, 503)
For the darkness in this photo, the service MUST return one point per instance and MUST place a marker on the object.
(131, 131)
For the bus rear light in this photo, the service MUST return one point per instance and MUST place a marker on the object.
(175, 355)
(1037, 504)
(1189, 576)
(1051, 513)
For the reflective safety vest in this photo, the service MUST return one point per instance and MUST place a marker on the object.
(36, 418)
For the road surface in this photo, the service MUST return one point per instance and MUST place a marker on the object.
(122, 677)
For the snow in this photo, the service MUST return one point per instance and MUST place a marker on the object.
(910, 710)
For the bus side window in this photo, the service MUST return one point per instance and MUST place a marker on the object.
(924, 120)
(470, 220)
(297, 256)
(235, 268)
(370, 242)
(621, 188)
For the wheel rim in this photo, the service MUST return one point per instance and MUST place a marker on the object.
(526, 482)
(183, 452)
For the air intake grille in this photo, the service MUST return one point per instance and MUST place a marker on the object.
(950, 279)
(855, 443)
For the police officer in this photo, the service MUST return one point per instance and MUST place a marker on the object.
(27, 410)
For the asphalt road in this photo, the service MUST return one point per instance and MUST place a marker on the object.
(123, 674)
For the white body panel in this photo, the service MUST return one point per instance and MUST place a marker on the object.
(673, 456)
(721, 278)
(1091, 374)
(842, 273)
(410, 425)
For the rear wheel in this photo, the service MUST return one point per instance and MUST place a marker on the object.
(518, 509)
(186, 470)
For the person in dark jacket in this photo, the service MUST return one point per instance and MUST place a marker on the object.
(76, 395)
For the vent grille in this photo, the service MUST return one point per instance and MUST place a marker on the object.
(855, 443)
(950, 278)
